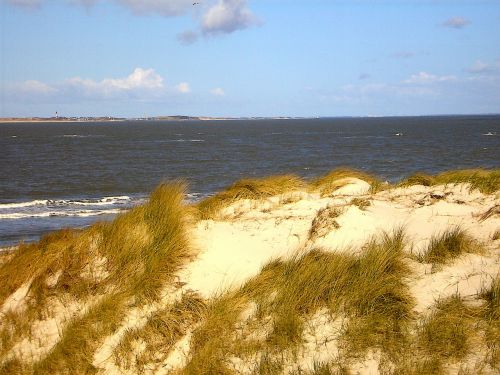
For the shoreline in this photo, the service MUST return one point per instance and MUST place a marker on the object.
(223, 118)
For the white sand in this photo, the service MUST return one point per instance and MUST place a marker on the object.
(235, 249)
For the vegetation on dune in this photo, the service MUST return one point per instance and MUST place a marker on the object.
(491, 315)
(128, 260)
(112, 267)
(337, 178)
(496, 235)
(324, 222)
(361, 203)
(449, 245)
(486, 181)
(162, 330)
(369, 288)
(257, 188)
(446, 332)
(446, 335)
(266, 187)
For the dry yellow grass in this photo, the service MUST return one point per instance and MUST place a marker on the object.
(141, 251)
(337, 178)
(249, 189)
(370, 289)
(449, 245)
(162, 330)
(486, 181)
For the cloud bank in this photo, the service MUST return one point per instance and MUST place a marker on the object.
(142, 84)
(214, 17)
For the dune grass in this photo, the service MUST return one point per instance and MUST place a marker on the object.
(256, 188)
(337, 178)
(491, 315)
(162, 330)
(73, 354)
(486, 181)
(330, 369)
(381, 304)
(361, 203)
(449, 245)
(13, 367)
(447, 331)
(324, 222)
(495, 235)
(211, 343)
(266, 187)
(370, 288)
(31, 260)
(140, 252)
(454, 329)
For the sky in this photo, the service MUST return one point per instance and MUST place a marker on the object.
(233, 58)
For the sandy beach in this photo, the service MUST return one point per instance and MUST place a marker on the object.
(258, 287)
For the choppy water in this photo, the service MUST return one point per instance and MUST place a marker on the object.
(54, 175)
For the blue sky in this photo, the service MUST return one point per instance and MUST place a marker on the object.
(249, 58)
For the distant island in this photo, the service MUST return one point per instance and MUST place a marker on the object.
(152, 118)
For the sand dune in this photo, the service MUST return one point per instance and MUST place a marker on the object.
(228, 306)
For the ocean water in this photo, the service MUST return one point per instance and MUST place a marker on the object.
(55, 175)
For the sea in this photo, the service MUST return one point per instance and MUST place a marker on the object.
(71, 174)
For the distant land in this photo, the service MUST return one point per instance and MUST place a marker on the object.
(153, 118)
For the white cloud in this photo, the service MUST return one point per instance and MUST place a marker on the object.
(481, 67)
(35, 87)
(425, 78)
(227, 16)
(141, 84)
(139, 78)
(215, 16)
(217, 91)
(183, 88)
(456, 23)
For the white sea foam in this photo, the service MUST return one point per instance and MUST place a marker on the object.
(81, 213)
(105, 201)
(93, 202)
(81, 136)
(38, 202)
